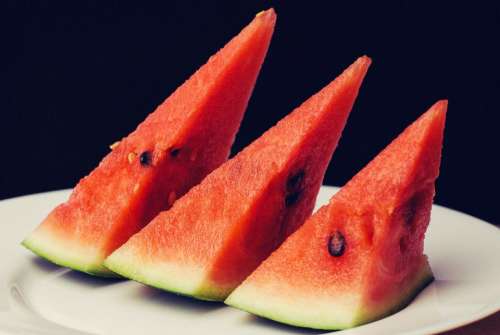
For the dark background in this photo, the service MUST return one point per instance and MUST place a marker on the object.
(78, 75)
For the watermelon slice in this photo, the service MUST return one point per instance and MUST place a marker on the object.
(172, 150)
(220, 231)
(360, 257)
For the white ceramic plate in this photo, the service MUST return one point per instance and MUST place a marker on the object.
(37, 297)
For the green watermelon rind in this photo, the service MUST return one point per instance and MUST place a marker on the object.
(165, 277)
(58, 253)
(247, 304)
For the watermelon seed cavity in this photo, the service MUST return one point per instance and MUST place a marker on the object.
(145, 158)
(174, 152)
(336, 244)
(294, 188)
(409, 211)
(412, 207)
(292, 198)
(295, 181)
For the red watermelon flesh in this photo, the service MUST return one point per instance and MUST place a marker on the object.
(220, 231)
(172, 150)
(360, 257)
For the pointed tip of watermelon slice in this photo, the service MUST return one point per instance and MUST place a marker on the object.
(362, 62)
(439, 107)
(364, 59)
(443, 103)
(435, 116)
(439, 110)
(268, 13)
(437, 113)
(358, 70)
(267, 16)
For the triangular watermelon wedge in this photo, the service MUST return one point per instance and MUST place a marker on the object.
(360, 257)
(186, 137)
(220, 231)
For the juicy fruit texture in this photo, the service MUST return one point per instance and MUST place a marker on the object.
(172, 150)
(360, 257)
(221, 230)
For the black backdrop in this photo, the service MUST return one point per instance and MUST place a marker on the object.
(79, 75)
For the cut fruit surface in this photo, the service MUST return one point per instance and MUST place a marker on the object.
(176, 146)
(220, 231)
(360, 257)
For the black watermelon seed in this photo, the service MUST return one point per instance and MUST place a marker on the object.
(336, 244)
(292, 198)
(174, 152)
(295, 181)
(409, 214)
(145, 158)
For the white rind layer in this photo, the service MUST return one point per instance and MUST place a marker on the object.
(68, 253)
(294, 306)
(182, 279)
(297, 310)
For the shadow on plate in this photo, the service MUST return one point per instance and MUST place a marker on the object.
(45, 265)
(72, 275)
(283, 328)
(176, 301)
(92, 281)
